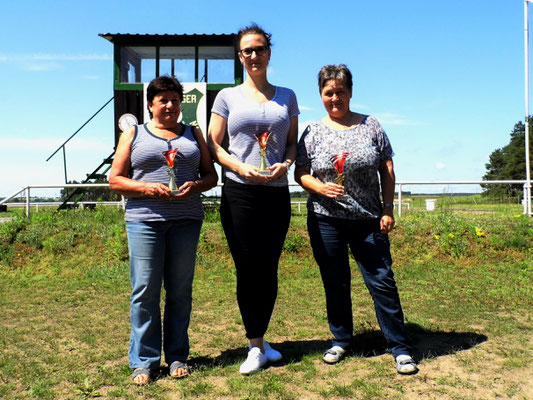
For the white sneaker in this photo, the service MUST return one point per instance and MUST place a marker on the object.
(254, 361)
(272, 354)
(405, 365)
(333, 355)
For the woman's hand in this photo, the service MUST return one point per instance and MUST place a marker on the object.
(185, 190)
(278, 170)
(249, 172)
(387, 221)
(331, 190)
(157, 190)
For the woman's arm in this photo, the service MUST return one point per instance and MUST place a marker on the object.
(118, 176)
(388, 181)
(216, 132)
(303, 176)
(208, 174)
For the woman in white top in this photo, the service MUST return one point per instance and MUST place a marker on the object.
(255, 209)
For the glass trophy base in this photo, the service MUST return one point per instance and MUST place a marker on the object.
(175, 192)
(265, 172)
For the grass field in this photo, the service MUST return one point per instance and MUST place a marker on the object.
(465, 280)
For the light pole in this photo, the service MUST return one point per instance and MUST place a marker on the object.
(526, 64)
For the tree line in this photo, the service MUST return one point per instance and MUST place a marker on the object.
(509, 163)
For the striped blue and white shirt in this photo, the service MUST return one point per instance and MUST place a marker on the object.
(246, 118)
(149, 165)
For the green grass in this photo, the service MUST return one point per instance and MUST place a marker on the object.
(465, 281)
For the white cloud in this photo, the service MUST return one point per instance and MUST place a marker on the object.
(42, 67)
(43, 62)
(54, 57)
(440, 165)
(359, 106)
(51, 144)
(71, 57)
(304, 108)
(395, 119)
(18, 144)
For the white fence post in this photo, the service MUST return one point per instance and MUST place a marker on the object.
(399, 200)
(28, 202)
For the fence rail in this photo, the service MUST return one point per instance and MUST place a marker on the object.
(399, 186)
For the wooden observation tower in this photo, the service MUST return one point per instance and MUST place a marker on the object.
(204, 64)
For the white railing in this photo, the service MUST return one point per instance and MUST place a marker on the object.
(27, 204)
(28, 189)
(400, 185)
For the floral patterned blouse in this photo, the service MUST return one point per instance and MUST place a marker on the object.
(367, 146)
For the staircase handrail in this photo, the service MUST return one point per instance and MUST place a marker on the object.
(81, 127)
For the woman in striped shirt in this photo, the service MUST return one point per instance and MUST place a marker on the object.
(163, 227)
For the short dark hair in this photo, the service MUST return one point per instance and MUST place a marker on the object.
(253, 29)
(163, 83)
(334, 72)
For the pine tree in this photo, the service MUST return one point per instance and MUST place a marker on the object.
(507, 163)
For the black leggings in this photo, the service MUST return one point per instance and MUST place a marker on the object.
(255, 219)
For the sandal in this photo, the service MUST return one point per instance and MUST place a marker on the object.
(141, 376)
(334, 355)
(176, 366)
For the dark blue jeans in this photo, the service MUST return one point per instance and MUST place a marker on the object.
(330, 239)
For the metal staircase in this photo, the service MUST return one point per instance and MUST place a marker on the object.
(97, 176)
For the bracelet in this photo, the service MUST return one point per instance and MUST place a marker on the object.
(288, 164)
(388, 205)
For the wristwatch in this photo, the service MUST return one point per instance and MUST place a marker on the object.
(388, 205)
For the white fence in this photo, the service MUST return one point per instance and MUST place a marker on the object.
(399, 188)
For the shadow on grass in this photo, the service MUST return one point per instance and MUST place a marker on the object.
(432, 344)
(370, 343)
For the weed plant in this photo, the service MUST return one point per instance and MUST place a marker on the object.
(465, 281)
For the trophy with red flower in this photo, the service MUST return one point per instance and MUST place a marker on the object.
(338, 161)
(262, 139)
(170, 155)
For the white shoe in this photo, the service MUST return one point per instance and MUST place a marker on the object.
(254, 361)
(333, 355)
(405, 365)
(272, 354)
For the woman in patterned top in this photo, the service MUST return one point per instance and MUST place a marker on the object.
(347, 152)
(262, 124)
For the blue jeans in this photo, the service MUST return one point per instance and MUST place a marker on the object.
(330, 239)
(161, 252)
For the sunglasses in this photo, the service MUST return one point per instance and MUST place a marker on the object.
(259, 51)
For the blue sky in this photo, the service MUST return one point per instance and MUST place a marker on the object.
(445, 78)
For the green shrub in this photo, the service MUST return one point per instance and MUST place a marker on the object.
(294, 242)
(58, 243)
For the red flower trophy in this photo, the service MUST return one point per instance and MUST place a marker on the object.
(262, 139)
(338, 161)
(170, 155)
